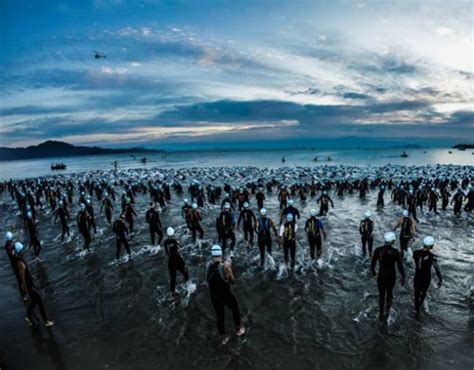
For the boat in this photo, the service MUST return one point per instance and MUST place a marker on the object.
(404, 155)
(143, 160)
(450, 152)
(283, 160)
(58, 166)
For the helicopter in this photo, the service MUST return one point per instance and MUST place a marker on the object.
(99, 55)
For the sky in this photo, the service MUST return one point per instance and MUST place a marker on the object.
(184, 74)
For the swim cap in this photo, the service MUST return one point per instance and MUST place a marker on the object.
(29, 215)
(226, 205)
(106, 194)
(246, 205)
(405, 213)
(186, 201)
(170, 231)
(8, 236)
(263, 211)
(216, 250)
(289, 217)
(367, 214)
(312, 212)
(195, 206)
(325, 192)
(290, 202)
(428, 242)
(18, 247)
(83, 206)
(389, 237)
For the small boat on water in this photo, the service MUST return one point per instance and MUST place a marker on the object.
(143, 160)
(283, 160)
(58, 166)
(404, 155)
(450, 152)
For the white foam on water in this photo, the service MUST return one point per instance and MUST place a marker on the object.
(270, 264)
(282, 271)
(392, 317)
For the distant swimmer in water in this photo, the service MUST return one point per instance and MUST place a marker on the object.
(220, 276)
(424, 261)
(314, 229)
(387, 257)
(28, 289)
(175, 261)
(324, 201)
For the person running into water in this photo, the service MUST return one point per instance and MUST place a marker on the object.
(219, 278)
(121, 232)
(314, 229)
(264, 238)
(407, 231)
(387, 257)
(249, 221)
(152, 217)
(83, 226)
(28, 289)
(288, 233)
(366, 231)
(424, 261)
(175, 261)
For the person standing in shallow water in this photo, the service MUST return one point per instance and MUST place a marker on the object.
(424, 260)
(175, 261)
(28, 289)
(366, 231)
(121, 232)
(387, 257)
(219, 276)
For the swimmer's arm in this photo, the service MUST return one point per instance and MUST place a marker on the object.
(228, 273)
(21, 269)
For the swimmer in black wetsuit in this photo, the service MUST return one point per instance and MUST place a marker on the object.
(121, 232)
(314, 228)
(366, 231)
(424, 260)
(175, 261)
(219, 277)
(387, 256)
(249, 221)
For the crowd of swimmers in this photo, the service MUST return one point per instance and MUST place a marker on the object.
(61, 195)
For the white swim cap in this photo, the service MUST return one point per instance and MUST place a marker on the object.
(8, 235)
(291, 202)
(389, 237)
(18, 247)
(170, 231)
(289, 217)
(195, 205)
(428, 241)
(246, 205)
(226, 205)
(367, 214)
(263, 211)
(216, 250)
(405, 213)
(312, 212)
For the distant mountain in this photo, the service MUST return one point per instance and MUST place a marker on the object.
(463, 146)
(52, 148)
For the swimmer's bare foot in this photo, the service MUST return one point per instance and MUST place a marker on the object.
(49, 323)
(224, 340)
(28, 321)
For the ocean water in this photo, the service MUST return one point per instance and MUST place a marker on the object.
(322, 316)
(268, 158)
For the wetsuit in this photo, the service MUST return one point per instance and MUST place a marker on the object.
(107, 206)
(406, 234)
(30, 290)
(83, 226)
(283, 198)
(33, 233)
(288, 232)
(186, 213)
(313, 229)
(260, 197)
(225, 226)
(380, 199)
(264, 237)
(221, 295)
(248, 218)
(433, 201)
(90, 211)
(457, 200)
(290, 210)
(9, 248)
(152, 217)
(121, 231)
(63, 215)
(424, 260)
(194, 218)
(387, 256)
(175, 262)
(366, 230)
(129, 213)
(324, 201)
